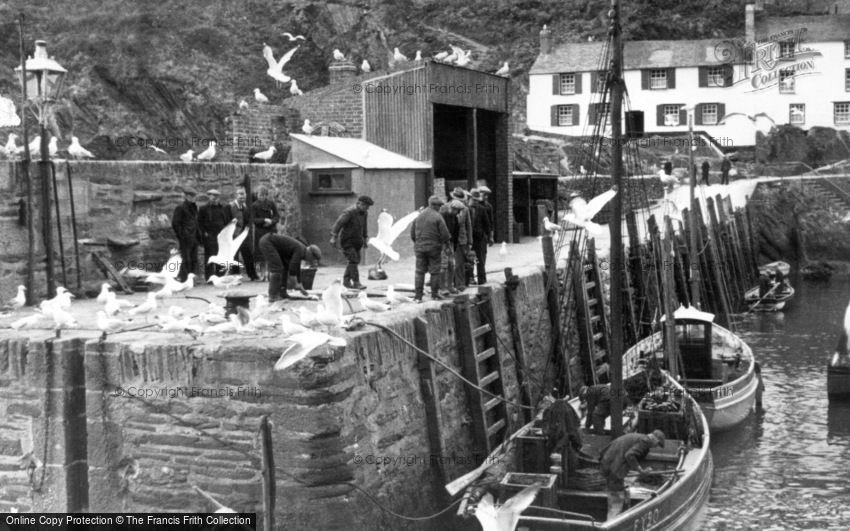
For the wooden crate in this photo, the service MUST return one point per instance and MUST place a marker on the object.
(514, 482)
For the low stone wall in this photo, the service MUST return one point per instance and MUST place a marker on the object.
(344, 417)
(123, 201)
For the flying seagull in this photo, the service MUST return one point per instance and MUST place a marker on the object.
(303, 344)
(506, 516)
(293, 38)
(77, 151)
(158, 150)
(581, 212)
(8, 116)
(228, 246)
(275, 69)
(387, 234)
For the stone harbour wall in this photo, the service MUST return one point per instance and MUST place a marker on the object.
(139, 419)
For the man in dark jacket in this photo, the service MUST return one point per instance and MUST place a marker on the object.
(185, 225)
(668, 167)
(596, 401)
(212, 218)
(284, 256)
(349, 232)
(449, 211)
(725, 166)
(266, 215)
(705, 168)
(481, 230)
(429, 234)
(239, 211)
(621, 456)
(485, 200)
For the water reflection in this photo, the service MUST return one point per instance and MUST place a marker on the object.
(838, 422)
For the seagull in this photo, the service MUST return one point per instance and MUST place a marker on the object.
(371, 305)
(338, 56)
(582, 170)
(288, 327)
(365, 66)
(387, 234)
(418, 57)
(176, 312)
(231, 325)
(275, 69)
(109, 324)
(332, 299)
(243, 104)
(294, 90)
(158, 150)
(400, 57)
(226, 281)
(209, 153)
(306, 317)
(669, 181)
(395, 298)
(506, 516)
(228, 246)
(461, 58)
(303, 344)
(504, 71)
(20, 299)
(8, 116)
(172, 324)
(165, 292)
(61, 300)
(35, 146)
(308, 127)
(265, 155)
(260, 97)
(187, 157)
(113, 304)
(581, 212)
(27, 322)
(77, 151)
(177, 287)
(146, 307)
(11, 148)
(441, 56)
(503, 251)
(293, 38)
(169, 270)
(548, 225)
(53, 146)
(103, 296)
(213, 318)
(63, 319)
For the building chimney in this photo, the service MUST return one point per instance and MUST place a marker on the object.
(342, 71)
(545, 40)
(749, 24)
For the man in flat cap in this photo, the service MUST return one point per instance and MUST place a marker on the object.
(184, 221)
(266, 215)
(464, 258)
(349, 233)
(212, 218)
(429, 234)
(481, 233)
(284, 255)
(620, 456)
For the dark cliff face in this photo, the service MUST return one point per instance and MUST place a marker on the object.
(169, 69)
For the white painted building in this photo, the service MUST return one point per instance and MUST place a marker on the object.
(785, 70)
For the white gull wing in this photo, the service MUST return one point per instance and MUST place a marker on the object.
(228, 246)
(505, 517)
(847, 320)
(596, 204)
(401, 225)
(303, 344)
(332, 299)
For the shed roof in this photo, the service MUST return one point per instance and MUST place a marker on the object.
(819, 28)
(585, 56)
(361, 153)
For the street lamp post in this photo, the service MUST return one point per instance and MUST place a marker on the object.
(43, 78)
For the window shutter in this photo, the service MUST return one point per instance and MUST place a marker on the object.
(644, 79)
(578, 76)
(698, 114)
(554, 115)
(721, 111)
(591, 115)
(703, 76)
(671, 78)
(556, 84)
(727, 75)
(576, 115)
(594, 81)
(659, 115)
(683, 117)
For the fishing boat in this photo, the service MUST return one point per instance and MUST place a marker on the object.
(783, 267)
(777, 298)
(544, 483)
(820, 271)
(717, 366)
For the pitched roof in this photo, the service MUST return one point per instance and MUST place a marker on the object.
(819, 28)
(585, 56)
(361, 153)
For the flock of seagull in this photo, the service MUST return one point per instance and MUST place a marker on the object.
(13, 150)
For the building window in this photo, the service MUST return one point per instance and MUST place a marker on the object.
(568, 83)
(847, 49)
(797, 113)
(841, 111)
(716, 76)
(786, 81)
(847, 79)
(658, 79)
(671, 115)
(786, 49)
(709, 114)
(332, 181)
(565, 115)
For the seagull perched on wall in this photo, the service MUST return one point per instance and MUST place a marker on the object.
(146, 307)
(243, 104)
(506, 516)
(188, 156)
(294, 90)
(158, 150)
(388, 232)
(399, 57)
(372, 306)
(582, 212)
(103, 296)
(77, 151)
(8, 116)
(226, 281)
(504, 71)
(228, 246)
(11, 149)
(17, 302)
(365, 66)
(264, 156)
(440, 57)
(259, 97)
(308, 127)
(209, 153)
(275, 69)
(304, 344)
(338, 55)
(293, 38)
(110, 324)
(549, 226)
(462, 58)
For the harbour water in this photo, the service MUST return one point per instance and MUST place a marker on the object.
(788, 466)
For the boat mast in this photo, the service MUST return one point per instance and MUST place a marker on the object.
(616, 225)
(693, 258)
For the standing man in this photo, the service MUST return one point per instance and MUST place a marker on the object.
(463, 265)
(239, 210)
(485, 200)
(621, 456)
(185, 225)
(349, 232)
(705, 167)
(481, 230)
(668, 167)
(449, 211)
(212, 218)
(284, 256)
(429, 234)
(725, 166)
(265, 213)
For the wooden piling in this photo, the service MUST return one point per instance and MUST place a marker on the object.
(552, 304)
(430, 397)
(269, 485)
(511, 283)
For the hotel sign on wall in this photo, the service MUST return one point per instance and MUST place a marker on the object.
(764, 64)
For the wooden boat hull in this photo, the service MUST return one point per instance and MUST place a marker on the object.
(784, 267)
(838, 382)
(772, 303)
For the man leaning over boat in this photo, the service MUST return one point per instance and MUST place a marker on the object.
(619, 457)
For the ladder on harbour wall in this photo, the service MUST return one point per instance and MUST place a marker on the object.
(593, 327)
(482, 365)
